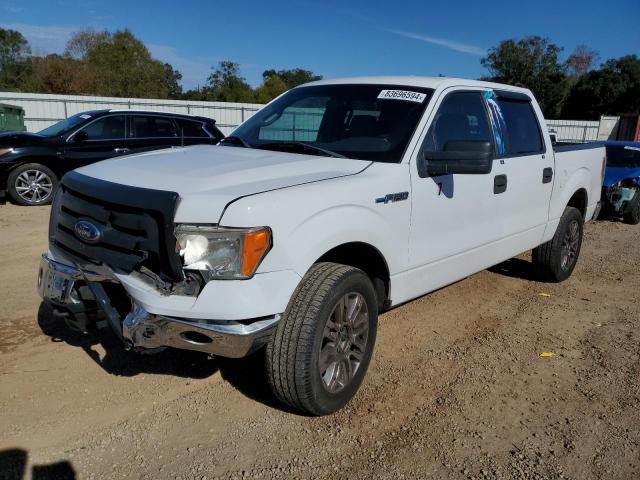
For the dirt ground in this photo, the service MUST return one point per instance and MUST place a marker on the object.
(456, 390)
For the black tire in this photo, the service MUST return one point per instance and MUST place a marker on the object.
(632, 210)
(41, 181)
(555, 260)
(293, 354)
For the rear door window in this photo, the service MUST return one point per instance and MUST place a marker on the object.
(153, 127)
(522, 135)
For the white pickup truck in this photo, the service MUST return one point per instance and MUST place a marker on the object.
(338, 200)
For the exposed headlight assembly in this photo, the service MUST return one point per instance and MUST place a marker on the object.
(222, 253)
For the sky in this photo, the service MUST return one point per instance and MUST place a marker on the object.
(332, 38)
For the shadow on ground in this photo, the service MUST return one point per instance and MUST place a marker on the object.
(516, 268)
(245, 374)
(13, 466)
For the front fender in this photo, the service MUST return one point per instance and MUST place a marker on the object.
(309, 220)
(311, 239)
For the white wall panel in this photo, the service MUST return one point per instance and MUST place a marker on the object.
(42, 110)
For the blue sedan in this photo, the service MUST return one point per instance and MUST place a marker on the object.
(621, 186)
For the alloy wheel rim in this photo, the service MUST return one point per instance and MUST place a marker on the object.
(34, 186)
(344, 342)
(569, 249)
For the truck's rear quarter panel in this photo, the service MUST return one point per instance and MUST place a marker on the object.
(577, 167)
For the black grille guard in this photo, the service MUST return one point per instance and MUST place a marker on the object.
(136, 225)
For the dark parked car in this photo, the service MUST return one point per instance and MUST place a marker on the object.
(32, 163)
(621, 186)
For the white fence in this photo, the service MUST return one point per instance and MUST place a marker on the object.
(579, 131)
(42, 110)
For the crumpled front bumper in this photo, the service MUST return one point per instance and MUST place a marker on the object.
(143, 330)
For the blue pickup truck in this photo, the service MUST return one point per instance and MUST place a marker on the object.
(621, 186)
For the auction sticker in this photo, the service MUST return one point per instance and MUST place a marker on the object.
(406, 95)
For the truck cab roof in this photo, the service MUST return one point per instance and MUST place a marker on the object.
(419, 81)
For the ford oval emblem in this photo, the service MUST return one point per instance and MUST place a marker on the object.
(87, 231)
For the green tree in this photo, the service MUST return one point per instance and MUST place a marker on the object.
(172, 79)
(84, 41)
(60, 74)
(124, 68)
(197, 93)
(611, 90)
(293, 77)
(271, 87)
(226, 85)
(532, 63)
(15, 66)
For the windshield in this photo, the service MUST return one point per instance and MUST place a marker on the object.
(623, 156)
(369, 122)
(64, 125)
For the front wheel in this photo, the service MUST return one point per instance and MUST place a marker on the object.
(555, 260)
(632, 210)
(32, 184)
(319, 354)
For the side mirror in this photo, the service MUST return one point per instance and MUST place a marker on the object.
(81, 136)
(459, 156)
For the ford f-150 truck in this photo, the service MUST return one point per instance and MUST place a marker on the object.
(338, 200)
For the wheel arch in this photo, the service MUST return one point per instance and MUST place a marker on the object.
(580, 200)
(48, 161)
(367, 258)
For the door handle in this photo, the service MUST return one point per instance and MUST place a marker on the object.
(547, 175)
(499, 184)
(120, 150)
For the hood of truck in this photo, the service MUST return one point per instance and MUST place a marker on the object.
(207, 178)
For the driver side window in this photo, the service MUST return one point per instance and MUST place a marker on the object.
(461, 118)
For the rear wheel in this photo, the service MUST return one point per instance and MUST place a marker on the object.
(632, 210)
(32, 184)
(555, 260)
(320, 352)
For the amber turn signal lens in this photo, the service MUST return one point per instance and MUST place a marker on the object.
(254, 248)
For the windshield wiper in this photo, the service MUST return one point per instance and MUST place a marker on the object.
(236, 140)
(300, 146)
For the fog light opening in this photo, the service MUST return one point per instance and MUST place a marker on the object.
(196, 337)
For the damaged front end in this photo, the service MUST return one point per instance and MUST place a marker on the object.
(87, 300)
(619, 195)
(104, 238)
